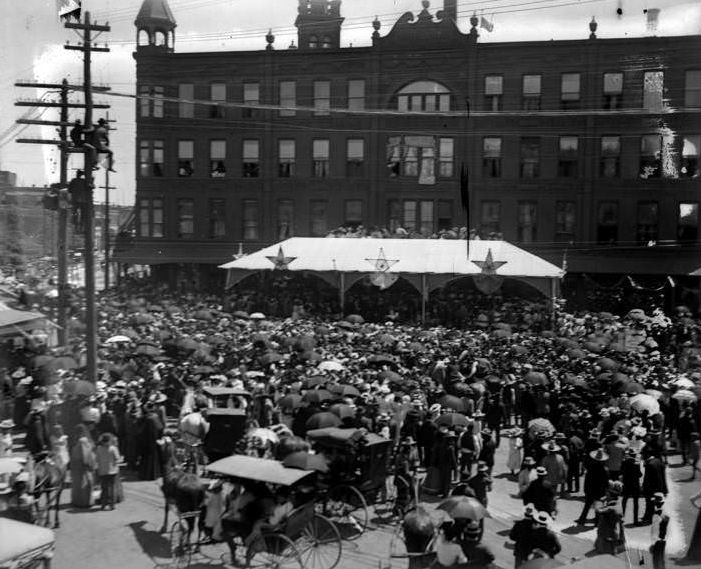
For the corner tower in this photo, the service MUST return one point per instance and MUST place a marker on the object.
(319, 24)
(155, 26)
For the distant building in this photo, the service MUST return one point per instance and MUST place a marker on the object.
(586, 148)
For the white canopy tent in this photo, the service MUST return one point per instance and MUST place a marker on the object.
(427, 264)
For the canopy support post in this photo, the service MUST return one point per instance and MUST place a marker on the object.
(424, 294)
(342, 294)
(553, 302)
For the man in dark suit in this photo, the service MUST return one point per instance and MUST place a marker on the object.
(654, 481)
(541, 493)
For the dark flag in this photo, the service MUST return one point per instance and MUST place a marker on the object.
(465, 199)
(68, 9)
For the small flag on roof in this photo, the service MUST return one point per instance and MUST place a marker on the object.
(486, 24)
(68, 9)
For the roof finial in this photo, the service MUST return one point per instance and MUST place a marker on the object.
(270, 38)
(592, 28)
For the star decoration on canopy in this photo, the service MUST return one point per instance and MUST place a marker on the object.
(280, 261)
(489, 266)
(382, 263)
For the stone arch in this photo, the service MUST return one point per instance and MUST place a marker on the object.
(539, 285)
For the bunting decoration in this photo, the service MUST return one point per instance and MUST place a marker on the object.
(382, 264)
(280, 261)
(488, 282)
(489, 266)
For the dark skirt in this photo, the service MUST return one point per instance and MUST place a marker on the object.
(694, 552)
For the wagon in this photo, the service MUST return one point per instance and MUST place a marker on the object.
(25, 546)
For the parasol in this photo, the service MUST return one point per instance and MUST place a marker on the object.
(306, 461)
(684, 383)
(536, 378)
(313, 381)
(634, 388)
(147, 350)
(290, 402)
(685, 395)
(463, 508)
(452, 420)
(240, 314)
(323, 420)
(342, 411)
(656, 393)
(345, 325)
(453, 402)
(317, 396)
(576, 354)
(270, 358)
(118, 339)
(331, 365)
(389, 375)
(344, 390)
(645, 402)
(607, 364)
(541, 426)
(355, 319)
(594, 347)
(257, 316)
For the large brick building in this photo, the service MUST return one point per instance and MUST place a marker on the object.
(588, 146)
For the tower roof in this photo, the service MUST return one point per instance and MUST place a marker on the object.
(155, 12)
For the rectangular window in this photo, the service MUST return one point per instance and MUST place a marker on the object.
(251, 159)
(426, 218)
(491, 157)
(493, 92)
(647, 223)
(286, 158)
(217, 158)
(446, 152)
(527, 222)
(394, 215)
(565, 219)
(531, 92)
(530, 158)
(151, 158)
(186, 158)
(250, 220)
(653, 91)
(144, 101)
(356, 94)
(217, 218)
(444, 216)
(251, 98)
(415, 156)
(607, 223)
(490, 218)
(186, 96)
(409, 215)
(691, 152)
(692, 88)
(288, 98)
(317, 217)
(688, 222)
(651, 156)
(285, 219)
(355, 157)
(320, 158)
(610, 157)
(353, 213)
(613, 91)
(217, 94)
(186, 218)
(322, 98)
(158, 102)
(569, 91)
(568, 157)
(151, 217)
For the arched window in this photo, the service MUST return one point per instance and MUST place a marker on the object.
(423, 96)
(161, 38)
(326, 42)
(313, 42)
(143, 38)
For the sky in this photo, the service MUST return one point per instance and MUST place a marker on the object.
(32, 40)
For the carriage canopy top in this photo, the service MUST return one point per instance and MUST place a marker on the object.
(23, 542)
(258, 469)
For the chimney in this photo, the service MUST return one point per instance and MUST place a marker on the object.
(450, 10)
(653, 17)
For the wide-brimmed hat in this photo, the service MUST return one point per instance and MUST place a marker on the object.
(486, 432)
(7, 424)
(550, 446)
(5, 488)
(435, 408)
(482, 466)
(529, 461)
(542, 518)
(409, 441)
(541, 471)
(529, 510)
(658, 498)
(599, 455)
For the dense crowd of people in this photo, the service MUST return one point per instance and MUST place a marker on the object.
(399, 232)
(588, 403)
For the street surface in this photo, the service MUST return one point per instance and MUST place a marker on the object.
(129, 536)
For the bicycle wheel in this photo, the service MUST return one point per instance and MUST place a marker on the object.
(347, 509)
(273, 551)
(319, 545)
(180, 545)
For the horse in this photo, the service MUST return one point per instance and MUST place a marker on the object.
(49, 479)
(180, 488)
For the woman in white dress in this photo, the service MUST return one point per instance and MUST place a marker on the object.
(514, 457)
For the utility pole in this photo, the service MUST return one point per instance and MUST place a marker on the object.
(106, 230)
(87, 48)
(63, 89)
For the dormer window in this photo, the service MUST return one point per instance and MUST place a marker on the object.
(425, 96)
(326, 42)
(313, 42)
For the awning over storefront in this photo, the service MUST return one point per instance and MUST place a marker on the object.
(14, 322)
(154, 253)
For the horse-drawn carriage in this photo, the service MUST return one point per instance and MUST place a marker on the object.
(25, 546)
(304, 538)
(358, 477)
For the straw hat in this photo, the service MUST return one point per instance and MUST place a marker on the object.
(550, 446)
(599, 455)
(7, 424)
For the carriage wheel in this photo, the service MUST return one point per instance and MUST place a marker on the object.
(273, 551)
(180, 544)
(320, 544)
(347, 509)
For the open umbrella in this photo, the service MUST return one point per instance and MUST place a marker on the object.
(536, 378)
(685, 395)
(270, 358)
(541, 426)
(118, 339)
(380, 359)
(240, 314)
(323, 420)
(634, 388)
(317, 396)
(331, 365)
(345, 325)
(313, 381)
(257, 316)
(306, 461)
(607, 364)
(342, 411)
(594, 347)
(142, 318)
(645, 402)
(147, 350)
(344, 390)
(389, 375)
(637, 314)
(656, 393)
(452, 402)
(684, 383)
(203, 315)
(576, 354)
(464, 508)
(355, 319)
(290, 402)
(452, 420)
(188, 344)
